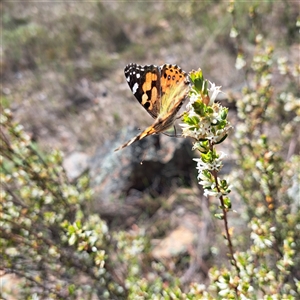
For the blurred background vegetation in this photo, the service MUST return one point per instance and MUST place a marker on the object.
(62, 79)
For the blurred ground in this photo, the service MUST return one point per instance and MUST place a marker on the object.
(63, 66)
(63, 62)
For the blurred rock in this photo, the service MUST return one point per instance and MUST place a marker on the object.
(10, 286)
(75, 165)
(191, 226)
(153, 165)
(176, 243)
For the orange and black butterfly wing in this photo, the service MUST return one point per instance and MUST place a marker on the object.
(144, 82)
(174, 82)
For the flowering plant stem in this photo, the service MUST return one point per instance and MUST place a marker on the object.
(225, 211)
(206, 122)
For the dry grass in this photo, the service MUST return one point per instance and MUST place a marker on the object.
(63, 62)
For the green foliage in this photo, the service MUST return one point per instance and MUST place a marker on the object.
(47, 240)
(266, 181)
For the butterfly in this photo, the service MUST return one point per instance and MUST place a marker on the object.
(161, 91)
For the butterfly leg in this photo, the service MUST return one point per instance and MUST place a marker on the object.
(169, 135)
(172, 135)
(180, 116)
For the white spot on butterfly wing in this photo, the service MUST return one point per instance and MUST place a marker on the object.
(135, 87)
(138, 75)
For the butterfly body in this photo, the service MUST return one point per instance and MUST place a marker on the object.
(161, 91)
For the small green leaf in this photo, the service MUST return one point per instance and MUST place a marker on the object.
(220, 216)
(72, 239)
(200, 108)
(71, 289)
(227, 202)
(224, 113)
